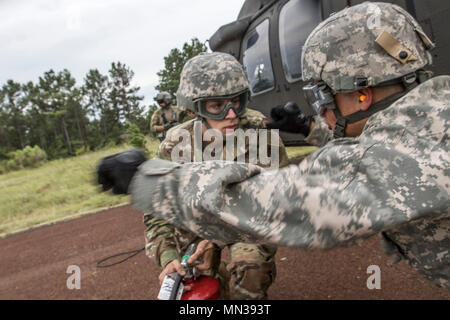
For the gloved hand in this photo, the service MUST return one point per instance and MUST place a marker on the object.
(289, 118)
(117, 170)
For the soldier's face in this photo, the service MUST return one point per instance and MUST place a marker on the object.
(231, 120)
(162, 104)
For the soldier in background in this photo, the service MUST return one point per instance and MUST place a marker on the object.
(166, 117)
(213, 87)
(387, 172)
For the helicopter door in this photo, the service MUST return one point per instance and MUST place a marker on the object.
(256, 59)
(297, 19)
(271, 52)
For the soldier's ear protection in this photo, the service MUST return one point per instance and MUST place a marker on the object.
(362, 97)
(365, 97)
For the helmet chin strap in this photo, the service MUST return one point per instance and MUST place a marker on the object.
(409, 82)
(343, 121)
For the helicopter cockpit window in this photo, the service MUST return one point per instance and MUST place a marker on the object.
(297, 19)
(256, 59)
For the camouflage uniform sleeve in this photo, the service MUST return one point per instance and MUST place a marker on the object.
(155, 121)
(253, 119)
(330, 199)
(165, 150)
(160, 241)
(159, 235)
(393, 179)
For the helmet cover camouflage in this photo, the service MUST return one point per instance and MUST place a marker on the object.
(210, 75)
(374, 42)
(164, 96)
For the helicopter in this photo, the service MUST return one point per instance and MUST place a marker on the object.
(268, 35)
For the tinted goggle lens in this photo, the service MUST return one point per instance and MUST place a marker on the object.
(219, 111)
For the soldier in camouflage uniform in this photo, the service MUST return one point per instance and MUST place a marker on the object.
(388, 175)
(166, 117)
(217, 84)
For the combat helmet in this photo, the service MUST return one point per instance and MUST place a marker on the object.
(163, 96)
(366, 45)
(210, 76)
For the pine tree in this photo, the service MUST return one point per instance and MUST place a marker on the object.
(13, 108)
(95, 100)
(173, 65)
(122, 96)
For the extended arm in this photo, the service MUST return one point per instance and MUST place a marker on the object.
(160, 242)
(343, 192)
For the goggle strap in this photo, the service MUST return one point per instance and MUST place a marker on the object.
(197, 106)
(204, 122)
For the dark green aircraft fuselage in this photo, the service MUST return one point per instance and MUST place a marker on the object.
(268, 36)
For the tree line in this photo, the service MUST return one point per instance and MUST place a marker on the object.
(63, 118)
(66, 119)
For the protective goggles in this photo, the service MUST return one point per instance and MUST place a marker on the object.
(319, 96)
(214, 107)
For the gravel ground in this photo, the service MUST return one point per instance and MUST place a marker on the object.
(34, 266)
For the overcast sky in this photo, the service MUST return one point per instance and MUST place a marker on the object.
(79, 35)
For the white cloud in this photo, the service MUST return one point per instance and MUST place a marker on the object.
(36, 36)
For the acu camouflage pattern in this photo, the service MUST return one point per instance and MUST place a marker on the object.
(393, 180)
(320, 134)
(251, 269)
(343, 46)
(210, 75)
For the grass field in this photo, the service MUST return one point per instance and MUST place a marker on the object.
(62, 189)
(57, 189)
